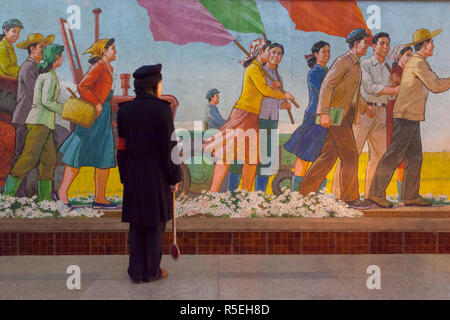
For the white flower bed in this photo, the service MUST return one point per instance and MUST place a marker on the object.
(237, 204)
(30, 208)
(244, 204)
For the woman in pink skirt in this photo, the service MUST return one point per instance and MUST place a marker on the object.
(238, 138)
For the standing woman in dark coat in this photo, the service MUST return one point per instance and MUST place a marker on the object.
(149, 176)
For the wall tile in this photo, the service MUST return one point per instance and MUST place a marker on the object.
(36, 243)
(214, 243)
(8, 244)
(386, 242)
(249, 243)
(187, 242)
(318, 243)
(283, 242)
(444, 242)
(84, 243)
(420, 242)
(352, 242)
(72, 243)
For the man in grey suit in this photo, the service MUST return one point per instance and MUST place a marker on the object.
(26, 79)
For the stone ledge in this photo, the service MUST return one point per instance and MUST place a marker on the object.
(206, 224)
(395, 212)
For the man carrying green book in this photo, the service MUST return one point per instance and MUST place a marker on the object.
(376, 90)
(335, 115)
(340, 90)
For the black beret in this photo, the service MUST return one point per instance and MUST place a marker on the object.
(357, 34)
(146, 71)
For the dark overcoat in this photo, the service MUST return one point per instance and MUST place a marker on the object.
(145, 126)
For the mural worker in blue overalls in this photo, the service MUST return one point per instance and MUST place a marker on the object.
(213, 117)
(214, 120)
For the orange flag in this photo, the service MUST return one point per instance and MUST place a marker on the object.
(336, 18)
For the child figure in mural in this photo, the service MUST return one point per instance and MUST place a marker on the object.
(39, 143)
(239, 135)
(93, 146)
(8, 58)
(307, 140)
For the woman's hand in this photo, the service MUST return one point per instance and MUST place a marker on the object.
(99, 109)
(275, 85)
(288, 96)
(285, 105)
(174, 188)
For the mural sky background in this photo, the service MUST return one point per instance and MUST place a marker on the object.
(192, 69)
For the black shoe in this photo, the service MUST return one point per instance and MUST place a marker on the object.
(98, 205)
(68, 205)
(358, 204)
(133, 278)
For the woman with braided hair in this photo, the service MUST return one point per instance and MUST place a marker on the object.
(307, 140)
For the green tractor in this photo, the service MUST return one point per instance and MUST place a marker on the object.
(198, 172)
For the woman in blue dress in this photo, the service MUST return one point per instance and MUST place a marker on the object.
(307, 140)
(93, 146)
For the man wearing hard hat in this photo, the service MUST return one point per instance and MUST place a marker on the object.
(409, 110)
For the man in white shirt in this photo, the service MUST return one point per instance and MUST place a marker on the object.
(376, 90)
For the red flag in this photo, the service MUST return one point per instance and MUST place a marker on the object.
(336, 18)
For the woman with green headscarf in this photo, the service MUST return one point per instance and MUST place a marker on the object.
(39, 145)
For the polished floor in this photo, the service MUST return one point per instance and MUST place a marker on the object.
(231, 277)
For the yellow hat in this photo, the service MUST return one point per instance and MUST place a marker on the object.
(96, 49)
(35, 38)
(421, 35)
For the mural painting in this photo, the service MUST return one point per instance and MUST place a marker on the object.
(271, 100)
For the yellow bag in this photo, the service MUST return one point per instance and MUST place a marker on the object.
(79, 111)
